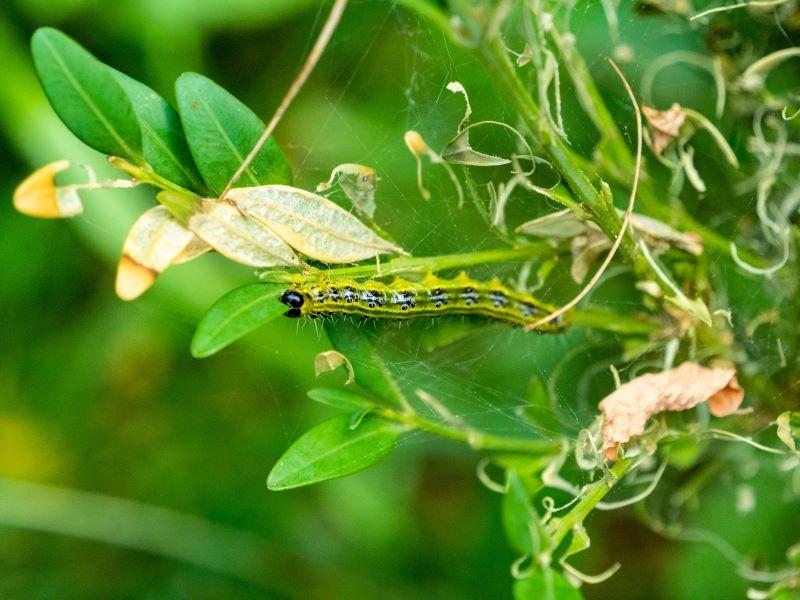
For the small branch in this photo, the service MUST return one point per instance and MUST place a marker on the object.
(311, 62)
(572, 303)
(477, 440)
(591, 497)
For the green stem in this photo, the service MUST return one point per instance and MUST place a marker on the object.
(179, 201)
(477, 440)
(415, 264)
(559, 528)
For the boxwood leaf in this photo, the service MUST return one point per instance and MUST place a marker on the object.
(332, 449)
(341, 399)
(236, 314)
(163, 143)
(372, 372)
(221, 131)
(86, 95)
(545, 584)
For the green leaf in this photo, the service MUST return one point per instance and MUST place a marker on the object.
(545, 584)
(332, 449)
(520, 521)
(371, 370)
(341, 399)
(236, 314)
(163, 144)
(86, 95)
(221, 131)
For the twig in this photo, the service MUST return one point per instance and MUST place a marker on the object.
(625, 221)
(316, 52)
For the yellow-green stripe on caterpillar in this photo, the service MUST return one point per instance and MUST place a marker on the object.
(403, 299)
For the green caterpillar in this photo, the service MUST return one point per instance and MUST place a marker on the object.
(431, 297)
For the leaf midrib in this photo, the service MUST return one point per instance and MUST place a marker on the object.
(88, 101)
(224, 134)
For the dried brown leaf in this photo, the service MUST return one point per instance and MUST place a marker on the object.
(664, 125)
(627, 409)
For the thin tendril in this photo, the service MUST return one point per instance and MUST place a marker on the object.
(311, 62)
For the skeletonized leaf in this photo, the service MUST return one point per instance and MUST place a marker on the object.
(236, 314)
(86, 95)
(154, 242)
(562, 225)
(627, 409)
(234, 235)
(334, 449)
(38, 196)
(664, 125)
(459, 152)
(311, 224)
(789, 428)
(358, 183)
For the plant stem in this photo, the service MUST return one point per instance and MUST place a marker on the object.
(594, 493)
(415, 264)
(477, 440)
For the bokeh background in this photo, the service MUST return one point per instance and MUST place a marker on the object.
(129, 469)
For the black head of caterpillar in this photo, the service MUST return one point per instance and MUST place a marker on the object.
(431, 297)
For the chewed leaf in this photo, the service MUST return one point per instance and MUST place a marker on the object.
(311, 224)
(236, 314)
(627, 409)
(239, 237)
(154, 242)
(664, 125)
(333, 449)
(358, 183)
(458, 151)
(38, 196)
(563, 224)
(330, 360)
(788, 425)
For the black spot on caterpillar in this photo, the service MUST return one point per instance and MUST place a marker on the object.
(431, 297)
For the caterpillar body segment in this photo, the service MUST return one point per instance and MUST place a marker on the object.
(431, 297)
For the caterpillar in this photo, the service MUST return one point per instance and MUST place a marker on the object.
(403, 299)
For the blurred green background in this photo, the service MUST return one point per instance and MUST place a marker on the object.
(129, 469)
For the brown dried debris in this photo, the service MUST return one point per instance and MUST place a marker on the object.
(627, 409)
(664, 125)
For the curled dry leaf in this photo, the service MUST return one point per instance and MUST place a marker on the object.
(664, 125)
(311, 224)
(358, 183)
(331, 360)
(156, 241)
(238, 237)
(39, 196)
(626, 410)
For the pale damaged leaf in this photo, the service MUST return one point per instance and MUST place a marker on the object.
(358, 183)
(331, 360)
(627, 409)
(39, 196)
(789, 429)
(234, 235)
(311, 224)
(156, 241)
